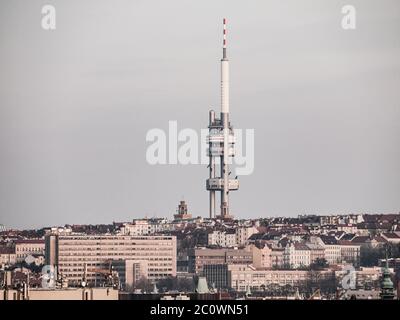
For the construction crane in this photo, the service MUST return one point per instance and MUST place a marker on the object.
(316, 295)
(110, 276)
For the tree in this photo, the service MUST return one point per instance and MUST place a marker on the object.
(144, 284)
(319, 264)
(312, 282)
(325, 282)
(288, 290)
(369, 256)
(176, 284)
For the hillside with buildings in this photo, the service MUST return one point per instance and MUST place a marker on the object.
(336, 256)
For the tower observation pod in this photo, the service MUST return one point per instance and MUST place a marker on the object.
(221, 142)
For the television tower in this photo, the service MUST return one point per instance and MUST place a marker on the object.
(221, 142)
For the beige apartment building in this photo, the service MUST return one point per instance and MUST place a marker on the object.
(27, 247)
(266, 256)
(95, 254)
(130, 272)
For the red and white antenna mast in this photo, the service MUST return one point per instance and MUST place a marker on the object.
(224, 39)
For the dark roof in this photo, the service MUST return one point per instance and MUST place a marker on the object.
(261, 245)
(300, 246)
(380, 239)
(265, 236)
(348, 236)
(283, 242)
(256, 236)
(391, 235)
(360, 239)
(37, 241)
(341, 234)
(230, 231)
(381, 217)
(328, 239)
(348, 243)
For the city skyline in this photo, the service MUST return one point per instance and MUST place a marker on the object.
(76, 104)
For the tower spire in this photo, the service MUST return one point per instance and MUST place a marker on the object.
(387, 288)
(224, 41)
(221, 143)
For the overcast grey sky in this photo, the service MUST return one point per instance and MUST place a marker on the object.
(76, 104)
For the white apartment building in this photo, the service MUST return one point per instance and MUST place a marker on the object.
(141, 228)
(333, 253)
(350, 253)
(95, 253)
(297, 255)
(337, 252)
(341, 219)
(223, 239)
(24, 248)
(59, 230)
